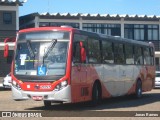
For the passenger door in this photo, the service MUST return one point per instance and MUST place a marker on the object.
(79, 73)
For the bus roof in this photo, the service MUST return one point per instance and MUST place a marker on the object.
(98, 35)
(47, 29)
(117, 39)
(125, 40)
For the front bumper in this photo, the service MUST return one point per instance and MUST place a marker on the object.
(63, 95)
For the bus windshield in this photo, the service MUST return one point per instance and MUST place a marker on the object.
(41, 53)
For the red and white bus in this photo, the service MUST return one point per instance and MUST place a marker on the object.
(63, 64)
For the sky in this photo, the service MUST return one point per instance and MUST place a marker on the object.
(130, 7)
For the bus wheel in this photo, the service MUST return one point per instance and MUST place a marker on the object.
(138, 93)
(96, 94)
(47, 103)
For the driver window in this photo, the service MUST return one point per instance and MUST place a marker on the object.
(76, 53)
(79, 47)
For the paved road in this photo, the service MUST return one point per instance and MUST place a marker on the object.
(149, 102)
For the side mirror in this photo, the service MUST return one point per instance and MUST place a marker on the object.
(82, 52)
(6, 48)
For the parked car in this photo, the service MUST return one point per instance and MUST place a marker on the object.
(157, 79)
(7, 81)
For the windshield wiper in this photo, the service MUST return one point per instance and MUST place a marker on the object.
(53, 43)
(30, 49)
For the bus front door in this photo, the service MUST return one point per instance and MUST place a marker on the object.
(79, 73)
(78, 81)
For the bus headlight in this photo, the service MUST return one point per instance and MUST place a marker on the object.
(61, 85)
(16, 85)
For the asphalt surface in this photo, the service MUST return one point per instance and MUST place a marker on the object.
(124, 108)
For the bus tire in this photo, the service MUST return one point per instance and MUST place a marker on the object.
(96, 94)
(138, 93)
(47, 103)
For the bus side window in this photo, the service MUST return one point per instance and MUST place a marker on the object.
(76, 52)
(79, 52)
(129, 54)
(138, 56)
(108, 56)
(80, 48)
(94, 52)
(82, 52)
(151, 56)
(147, 60)
(119, 56)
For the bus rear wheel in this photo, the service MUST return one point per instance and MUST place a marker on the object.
(138, 93)
(47, 103)
(96, 94)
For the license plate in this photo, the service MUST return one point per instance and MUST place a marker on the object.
(37, 98)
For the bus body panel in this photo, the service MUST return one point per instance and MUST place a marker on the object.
(116, 80)
(110, 77)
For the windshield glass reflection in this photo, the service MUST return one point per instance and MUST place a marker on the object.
(37, 56)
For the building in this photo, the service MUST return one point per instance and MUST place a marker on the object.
(137, 27)
(9, 25)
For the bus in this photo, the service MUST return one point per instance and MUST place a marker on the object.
(68, 65)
